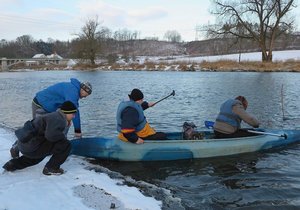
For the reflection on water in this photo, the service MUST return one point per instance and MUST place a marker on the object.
(251, 181)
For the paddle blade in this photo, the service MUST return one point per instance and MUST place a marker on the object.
(173, 93)
(209, 124)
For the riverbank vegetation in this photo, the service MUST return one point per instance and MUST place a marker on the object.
(220, 65)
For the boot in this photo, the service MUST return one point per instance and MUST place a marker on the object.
(52, 171)
(9, 166)
(14, 152)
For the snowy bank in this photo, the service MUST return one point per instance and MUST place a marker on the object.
(79, 188)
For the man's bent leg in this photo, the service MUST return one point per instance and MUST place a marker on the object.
(20, 163)
(60, 151)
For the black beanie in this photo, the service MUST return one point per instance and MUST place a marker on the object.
(68, 107)
(136, 95)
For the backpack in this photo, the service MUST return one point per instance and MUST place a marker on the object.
(189, 131)
(27, 132)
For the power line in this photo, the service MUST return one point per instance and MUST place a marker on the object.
(18, 19)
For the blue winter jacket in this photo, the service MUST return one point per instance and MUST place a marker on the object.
(52, 98)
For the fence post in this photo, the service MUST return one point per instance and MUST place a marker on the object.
(4, 64)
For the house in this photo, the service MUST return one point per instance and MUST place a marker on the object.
(44, 59)
(39, 56)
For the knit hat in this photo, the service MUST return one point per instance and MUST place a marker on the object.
(87, 87)
(68, 107)
(136, 95)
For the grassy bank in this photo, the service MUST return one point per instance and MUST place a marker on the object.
(226, 65)
(221, 65)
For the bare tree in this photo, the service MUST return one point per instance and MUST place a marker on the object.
(25, 45)
(8, 49)
(172, 36)
(260, 20)
(125, 40)
(87, 44)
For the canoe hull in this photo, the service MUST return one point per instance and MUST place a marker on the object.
(173, 149)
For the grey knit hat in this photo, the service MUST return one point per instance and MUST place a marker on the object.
(87, 87)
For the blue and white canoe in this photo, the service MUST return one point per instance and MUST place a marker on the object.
(176, 148)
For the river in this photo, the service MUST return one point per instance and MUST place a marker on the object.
(268, 180)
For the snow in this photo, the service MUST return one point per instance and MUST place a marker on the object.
(39, 56)
(253, 56)
(54, 56)
(71, 63)
(78, 188)
(48, 56)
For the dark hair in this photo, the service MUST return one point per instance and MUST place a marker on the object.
(136, 95)
(243, 100)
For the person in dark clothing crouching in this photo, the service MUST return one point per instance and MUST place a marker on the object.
(44, 136)
(131, 121)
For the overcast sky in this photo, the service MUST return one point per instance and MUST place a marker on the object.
(61, 19)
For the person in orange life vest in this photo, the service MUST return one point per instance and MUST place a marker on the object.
(131, 121)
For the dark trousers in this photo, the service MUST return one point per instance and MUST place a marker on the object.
(59, 151)
(156, 136)
(238, 133)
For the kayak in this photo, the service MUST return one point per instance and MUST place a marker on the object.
(176, 148)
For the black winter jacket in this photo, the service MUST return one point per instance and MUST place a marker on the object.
(48, 127)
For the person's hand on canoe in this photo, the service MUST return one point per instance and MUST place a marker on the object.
(139, 141)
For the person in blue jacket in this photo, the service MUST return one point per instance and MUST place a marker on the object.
(51, 98)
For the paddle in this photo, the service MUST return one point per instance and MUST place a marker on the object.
(172, 94)
(210, 124)
(266, 133)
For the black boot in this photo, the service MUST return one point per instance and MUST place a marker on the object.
(9, 166)
(14, 152)
(52, 171)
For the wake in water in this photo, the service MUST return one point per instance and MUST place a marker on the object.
(170, 202)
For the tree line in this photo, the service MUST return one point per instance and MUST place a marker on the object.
(92, 42)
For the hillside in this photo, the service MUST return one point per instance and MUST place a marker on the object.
(199, 48)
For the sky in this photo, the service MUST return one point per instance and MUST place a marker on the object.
(79, 188)
(62, 19)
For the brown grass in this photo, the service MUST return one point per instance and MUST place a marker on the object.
(227, 65)
(221, 65)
